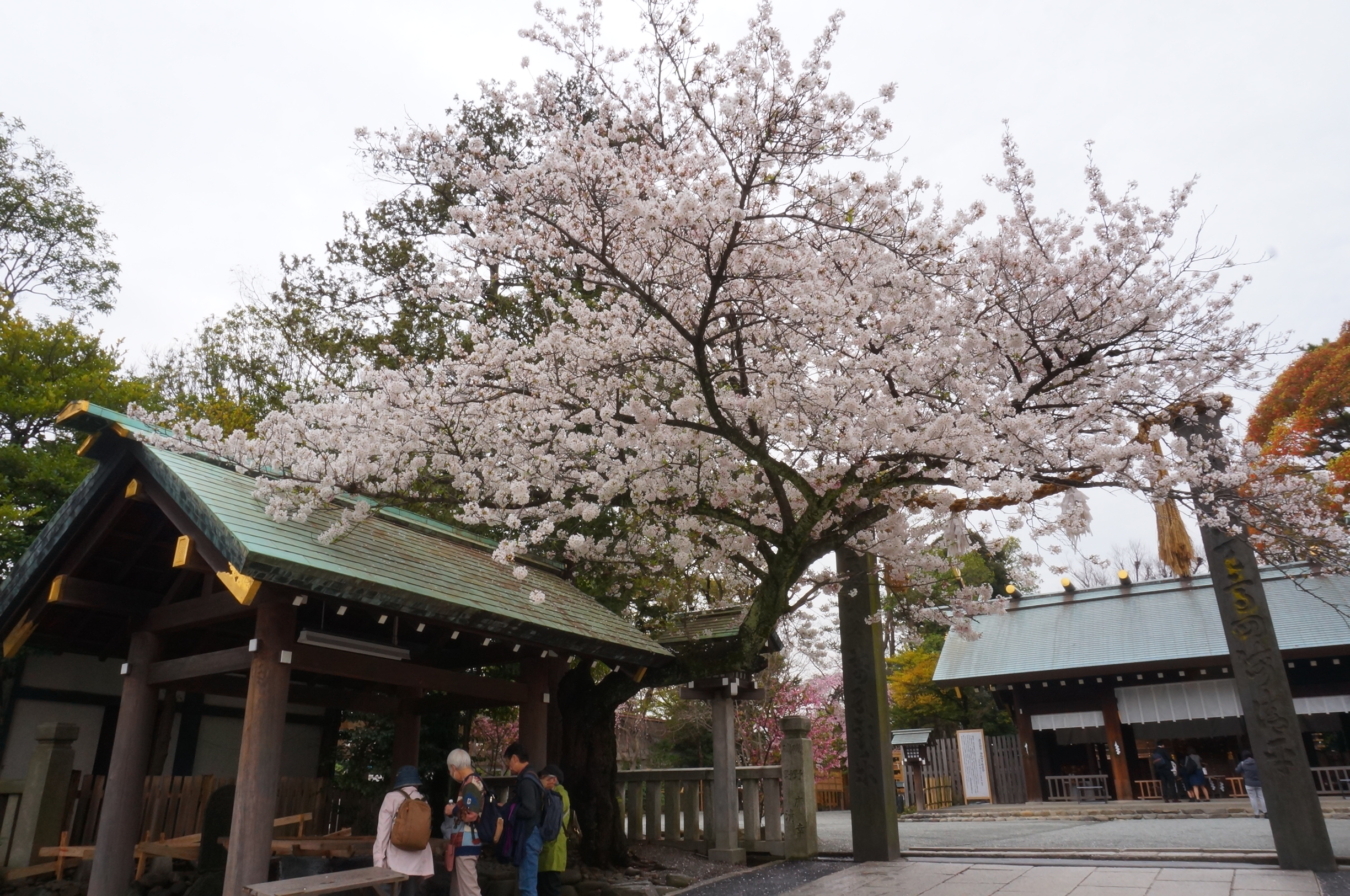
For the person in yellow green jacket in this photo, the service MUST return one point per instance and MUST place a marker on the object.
(553, 859)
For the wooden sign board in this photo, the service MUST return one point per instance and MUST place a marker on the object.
(973, 754)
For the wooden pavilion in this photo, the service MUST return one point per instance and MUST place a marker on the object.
(167, 560)
(1096, 677)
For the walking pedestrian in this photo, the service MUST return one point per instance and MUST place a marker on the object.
(1251, 780)
(403, 832)
(1197, 782)
(525, 810)
(460, 827)
(1165, 770)
(553, 859)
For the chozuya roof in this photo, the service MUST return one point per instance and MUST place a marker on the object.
(1134, 625)
(396, 559)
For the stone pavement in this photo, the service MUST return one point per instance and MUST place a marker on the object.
(914, 878)
(836, 834)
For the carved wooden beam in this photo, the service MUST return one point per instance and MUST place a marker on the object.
(233, 659)
(196, 612)
(84, 594)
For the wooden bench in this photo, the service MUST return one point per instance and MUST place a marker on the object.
(332, 882)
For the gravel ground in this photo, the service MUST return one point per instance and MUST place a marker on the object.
(768, 880)
(681, 861)
(1177, 833)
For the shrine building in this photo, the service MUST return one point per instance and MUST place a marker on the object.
(1096, 677)
(186, 632)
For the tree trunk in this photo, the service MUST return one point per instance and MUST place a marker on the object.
(590, 760)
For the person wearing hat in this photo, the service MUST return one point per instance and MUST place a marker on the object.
(461, 825)
(416, 864)
(553, 858)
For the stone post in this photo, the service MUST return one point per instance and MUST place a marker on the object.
(1296, 822)
(43, 805)
(799, 790)
(871, 779)
(726, 811)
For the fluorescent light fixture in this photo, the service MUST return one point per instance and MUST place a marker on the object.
(352, 645)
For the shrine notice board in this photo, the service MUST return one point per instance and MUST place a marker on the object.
(973, 752)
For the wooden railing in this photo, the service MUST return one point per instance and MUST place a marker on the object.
(1332, 780)
(1151, 789)
(667, 806)
(1076, 787)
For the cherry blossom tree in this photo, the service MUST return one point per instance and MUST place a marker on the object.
(757, 343)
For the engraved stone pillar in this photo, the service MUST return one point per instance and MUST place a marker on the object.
(871, 779)
(799, 790)
(1296, 822)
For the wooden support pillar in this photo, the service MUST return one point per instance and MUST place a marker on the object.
(1116, 748)
(557, 668)
(726, 811)
(407, 728)
(260, 751)
(120, 817)
(1026, 742)
(871, 778)
(534, 711)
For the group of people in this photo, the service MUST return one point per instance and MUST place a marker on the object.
(530, 830)
(1191, 778)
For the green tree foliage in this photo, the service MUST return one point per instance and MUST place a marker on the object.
(51, 246)
(370, 297)
(916, 702)
(43, 365)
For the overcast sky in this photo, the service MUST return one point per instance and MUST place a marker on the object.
(217, 136)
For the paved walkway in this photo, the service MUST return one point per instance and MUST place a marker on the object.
(836, 833)
(960, 879)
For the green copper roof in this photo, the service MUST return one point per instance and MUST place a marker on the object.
(1169, 621)
(397, 559)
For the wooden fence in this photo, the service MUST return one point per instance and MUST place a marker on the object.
(941, 776)
(667, 806)
(174, 806)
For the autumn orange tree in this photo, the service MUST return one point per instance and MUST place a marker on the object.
(1306, 413)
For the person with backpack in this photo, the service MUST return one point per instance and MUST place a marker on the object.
(403, 832)
(1165, 769)
(471, 821)
(525, 812)
(1197, 782)
(557, 820)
